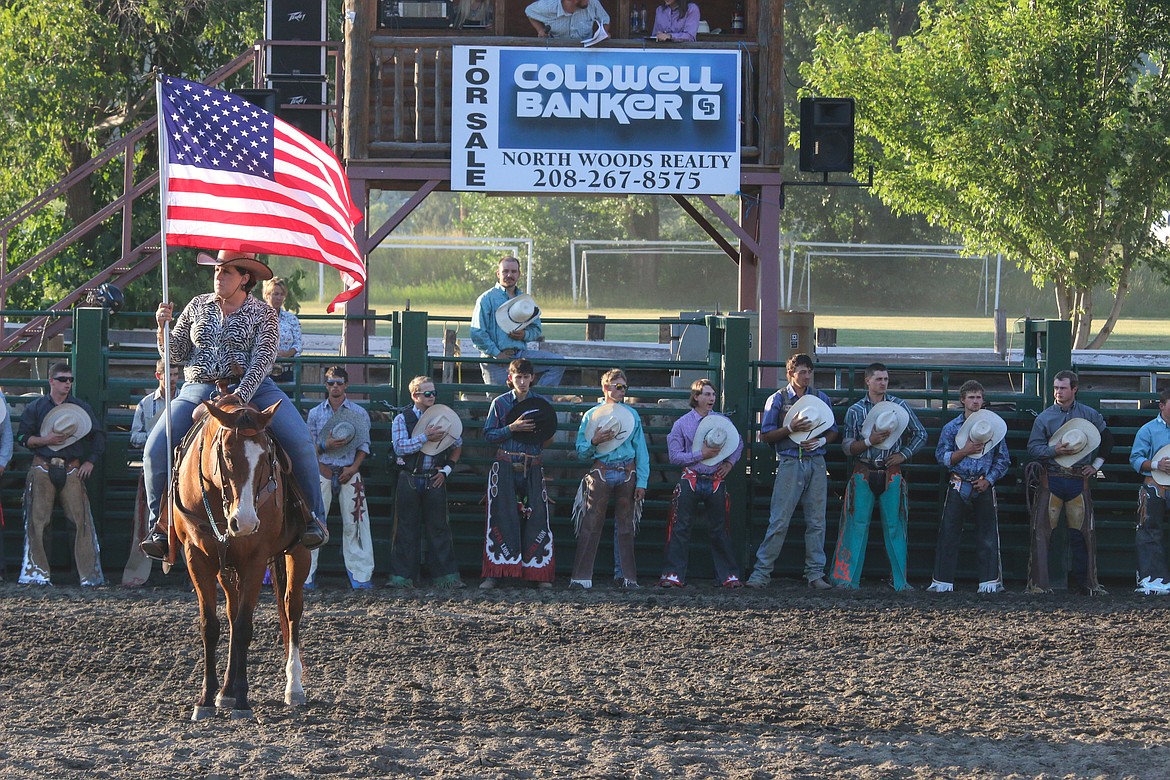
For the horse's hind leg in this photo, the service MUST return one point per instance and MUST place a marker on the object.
(203, 575)
(292, 609)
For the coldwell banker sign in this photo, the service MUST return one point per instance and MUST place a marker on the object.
(595, 120)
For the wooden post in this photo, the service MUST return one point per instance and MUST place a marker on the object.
(595, 327)
(1000, 343)
(450, 347)
(357, 21)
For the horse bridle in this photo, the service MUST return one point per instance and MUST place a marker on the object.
(225, 488)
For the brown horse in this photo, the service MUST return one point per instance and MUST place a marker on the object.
(230, 515)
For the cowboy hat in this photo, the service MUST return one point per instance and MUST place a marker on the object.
(539, 411)
(3, 409)
(715, 430)
(249, 261)
(351, 427)
(1081, 434)
(808, 407)
(444, 419)
(607, 417)
(985, 427)
(886, 416)
(1161, 477)
(517, 313)
(69, 419)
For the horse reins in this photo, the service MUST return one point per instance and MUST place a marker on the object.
(225, 490)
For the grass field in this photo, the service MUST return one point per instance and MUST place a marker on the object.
(852, 330)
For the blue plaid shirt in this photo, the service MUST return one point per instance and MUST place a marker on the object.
(405, 444)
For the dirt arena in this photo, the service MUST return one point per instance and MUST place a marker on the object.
(517, 683)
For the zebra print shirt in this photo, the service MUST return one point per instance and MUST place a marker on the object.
(210, 344)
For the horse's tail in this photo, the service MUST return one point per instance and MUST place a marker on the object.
(279, 568)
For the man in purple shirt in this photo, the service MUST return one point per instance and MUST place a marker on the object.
(700, 482)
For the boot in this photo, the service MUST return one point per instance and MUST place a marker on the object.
(314, 535)
(155, 546)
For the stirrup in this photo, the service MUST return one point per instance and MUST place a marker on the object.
(154, 546)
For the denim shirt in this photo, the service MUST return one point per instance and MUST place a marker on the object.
(489, 338)
(774, 410)
(1150, 438)
(991, 465)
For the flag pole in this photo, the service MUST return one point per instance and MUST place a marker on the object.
(166, 297)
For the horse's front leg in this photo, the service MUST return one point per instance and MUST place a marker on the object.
(203, 575)
(298, 563)
(241, 603)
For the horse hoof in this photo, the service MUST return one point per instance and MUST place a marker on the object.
(225, 701)
(241, 715)
(293, 698)
(201, 713)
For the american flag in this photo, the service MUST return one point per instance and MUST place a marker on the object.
(240, 178)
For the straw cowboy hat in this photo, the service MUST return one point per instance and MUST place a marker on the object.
(539, 411)
(249, 261)
(715, 430)
(1081, 434)
(444, 419)
(517, 313)
(985, 427)
(1161, 477)
(346, 425)
(886, 416)
(69, 419)
(610, 417)
(808, 407)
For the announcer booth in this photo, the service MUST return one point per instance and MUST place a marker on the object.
(438, 100)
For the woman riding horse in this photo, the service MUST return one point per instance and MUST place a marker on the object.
(217, 335)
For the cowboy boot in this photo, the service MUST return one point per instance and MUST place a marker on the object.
(315, 534)
(156, 545)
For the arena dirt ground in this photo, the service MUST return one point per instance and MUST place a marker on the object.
(517, 683)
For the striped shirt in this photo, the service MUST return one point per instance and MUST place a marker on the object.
(211, 345)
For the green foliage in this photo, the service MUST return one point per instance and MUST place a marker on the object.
(1040, 129)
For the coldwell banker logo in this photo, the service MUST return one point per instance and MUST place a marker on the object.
(621, 93)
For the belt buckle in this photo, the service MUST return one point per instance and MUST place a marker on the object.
(58, 462)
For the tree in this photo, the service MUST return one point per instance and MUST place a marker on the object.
(1036, 128)
(75, 75)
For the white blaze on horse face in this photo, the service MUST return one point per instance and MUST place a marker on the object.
(247, 521)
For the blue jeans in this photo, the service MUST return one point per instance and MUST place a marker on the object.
(547, 376)
(798, 481)
(287, 426)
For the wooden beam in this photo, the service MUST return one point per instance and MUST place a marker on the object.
(356, 127)
(702, 221)
(771, 83)
(396, 219)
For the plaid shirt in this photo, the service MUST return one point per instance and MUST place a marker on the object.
(405, 444)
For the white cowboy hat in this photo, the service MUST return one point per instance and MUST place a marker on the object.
(985, 427)
(69, 419)
(808, 407)
(886, 416)
(606, 417)
(715, 430)
(1081, 434)
(446, 420)
(249, 261)
(1161, 477)
(517, 313)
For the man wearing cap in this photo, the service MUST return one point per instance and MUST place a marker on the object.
(518, 540)
(706, 444)
(341, 434)
(1150, 457)
(973, 450)
(148, 411)
(881, 434)
(428, 444)
(230, 337)
(1062, 445)
(798, 423)
(66, 442)
(504, 323)
(610, 435)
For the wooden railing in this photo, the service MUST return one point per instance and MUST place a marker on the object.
(411, 84)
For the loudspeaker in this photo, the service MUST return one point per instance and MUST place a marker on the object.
(262, 98)
(295, 20)
(309, 93)
(826, 134)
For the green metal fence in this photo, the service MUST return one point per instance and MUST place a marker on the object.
(1018, 393)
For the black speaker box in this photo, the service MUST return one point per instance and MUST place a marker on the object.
(826, 135)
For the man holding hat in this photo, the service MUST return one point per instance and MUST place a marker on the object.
(706, 444)
(972, 448)
(611, 436)
(798, 423)
(428, 444)
(518, 541)
(1064, 438)
(503, 324)
(341, 434)
(228, 336)
(1150, 457)
(66, 442)
(881, 433)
